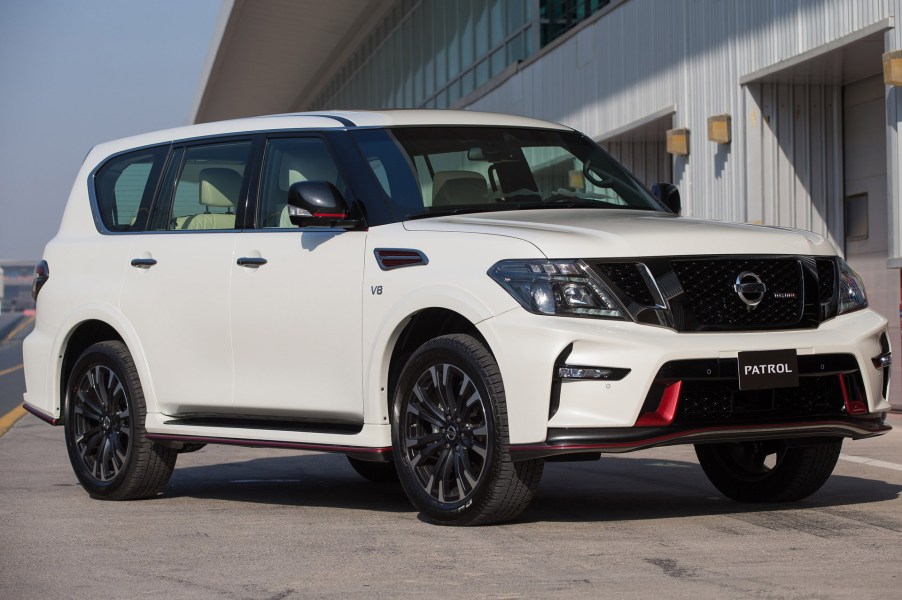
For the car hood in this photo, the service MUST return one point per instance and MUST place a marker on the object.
(591, 233)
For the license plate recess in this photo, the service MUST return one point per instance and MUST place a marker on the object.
(768, 369)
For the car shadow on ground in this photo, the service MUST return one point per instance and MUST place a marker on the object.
(655, 489)
(613, 489)
(298, 480)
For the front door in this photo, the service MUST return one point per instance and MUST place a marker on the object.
(296, 318)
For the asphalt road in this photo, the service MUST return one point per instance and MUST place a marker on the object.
(13, 329)
(270, 524)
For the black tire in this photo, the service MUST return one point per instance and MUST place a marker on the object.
(450, 417)
(104, 424)
(743, 471)
(378, 472)
(189, 447)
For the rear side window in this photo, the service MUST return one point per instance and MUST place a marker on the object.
(203, 188)
(125, 188)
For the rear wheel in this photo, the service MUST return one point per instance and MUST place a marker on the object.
(450, 436)
(105, 436)
(767, 471)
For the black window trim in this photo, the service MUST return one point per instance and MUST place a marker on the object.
(328, 137)
(241, 206)
(257, 140)
(92, 185)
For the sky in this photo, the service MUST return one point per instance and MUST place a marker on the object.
(77, 73)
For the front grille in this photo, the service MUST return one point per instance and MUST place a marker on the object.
(627, 277)
(701, 294)
(714, 303)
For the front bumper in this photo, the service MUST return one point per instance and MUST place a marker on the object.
(528, 347)
(617, 440)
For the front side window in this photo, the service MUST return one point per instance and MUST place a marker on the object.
(203, 188)
(124, 188)
(289, 161)
(453, 170)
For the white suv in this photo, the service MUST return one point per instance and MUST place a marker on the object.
(450, 298)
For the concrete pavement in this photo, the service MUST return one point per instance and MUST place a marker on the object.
(260, 523)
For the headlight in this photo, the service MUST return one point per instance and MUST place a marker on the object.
(851, 290)
(558, 287)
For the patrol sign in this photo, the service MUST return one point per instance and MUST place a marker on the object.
(768, 369)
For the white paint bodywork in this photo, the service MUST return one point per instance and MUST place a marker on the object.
(307, 335)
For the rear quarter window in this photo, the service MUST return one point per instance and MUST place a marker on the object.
(124, 188)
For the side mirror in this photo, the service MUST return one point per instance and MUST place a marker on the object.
(669, 194)
(317, 204)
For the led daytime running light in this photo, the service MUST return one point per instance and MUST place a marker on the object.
(563, 287)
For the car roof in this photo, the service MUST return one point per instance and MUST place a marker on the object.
(335, 119)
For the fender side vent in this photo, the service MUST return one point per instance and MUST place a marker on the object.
(395, 258)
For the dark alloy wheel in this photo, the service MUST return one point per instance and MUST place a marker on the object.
(769, 471)
(104, 426)
(449, 435)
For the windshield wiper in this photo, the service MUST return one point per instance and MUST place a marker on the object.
(565, 201)
(457, 210)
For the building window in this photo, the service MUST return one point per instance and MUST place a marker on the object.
(559, 16)
(432, 53)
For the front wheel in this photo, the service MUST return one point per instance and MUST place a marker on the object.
(105, 436)
(450, 436)
(767, 471)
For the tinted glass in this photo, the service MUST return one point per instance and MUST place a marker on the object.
(125, 187)
(289, 161)
(204, 187)
(478, 169)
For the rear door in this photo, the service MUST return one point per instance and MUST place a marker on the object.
(176, 288)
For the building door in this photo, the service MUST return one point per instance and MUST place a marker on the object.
(865, 199)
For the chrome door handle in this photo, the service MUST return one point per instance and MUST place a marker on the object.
(251, 262)
(144, 263)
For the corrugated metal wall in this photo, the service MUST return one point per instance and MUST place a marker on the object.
(691, 55)
(794, 157)
(648, 161)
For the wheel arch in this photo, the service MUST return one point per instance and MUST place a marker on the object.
(416, 330)
(96, 324)
(84, 335)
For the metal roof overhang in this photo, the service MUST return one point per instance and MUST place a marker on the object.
(846, 60)
(270, 56)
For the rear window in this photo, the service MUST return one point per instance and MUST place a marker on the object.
(125, 186)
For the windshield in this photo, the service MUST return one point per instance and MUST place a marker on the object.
(431, 171)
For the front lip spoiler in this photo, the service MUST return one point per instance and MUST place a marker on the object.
(628, 439)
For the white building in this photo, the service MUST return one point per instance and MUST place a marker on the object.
(809, 129)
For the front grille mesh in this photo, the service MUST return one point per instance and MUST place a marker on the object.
(627, 277)
(721, 401)
(700, 293)
(712, 299)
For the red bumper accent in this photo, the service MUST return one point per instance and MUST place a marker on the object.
(666, 409)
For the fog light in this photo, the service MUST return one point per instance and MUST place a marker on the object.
(602, 373)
